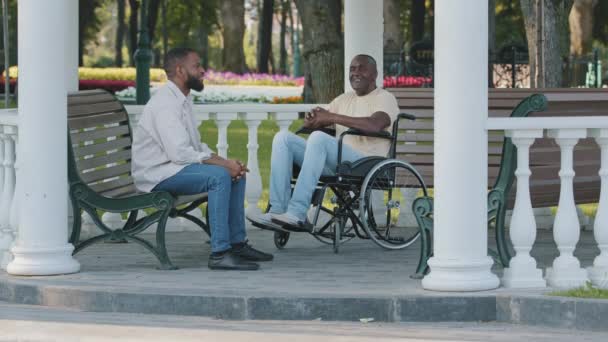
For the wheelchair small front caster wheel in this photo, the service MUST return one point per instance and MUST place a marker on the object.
(280, 239)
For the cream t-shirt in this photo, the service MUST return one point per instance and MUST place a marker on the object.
(379, 100)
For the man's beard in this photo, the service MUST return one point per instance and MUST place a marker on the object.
(194, 83)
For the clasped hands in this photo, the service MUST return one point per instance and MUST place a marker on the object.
(236, 169)
(318, 117)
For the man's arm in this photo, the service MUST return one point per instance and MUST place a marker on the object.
(374, 123)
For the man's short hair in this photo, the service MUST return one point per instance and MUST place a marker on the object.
(370, 59)
(174, 56)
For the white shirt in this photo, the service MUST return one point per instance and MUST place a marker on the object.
(378, 100)
(166, 139)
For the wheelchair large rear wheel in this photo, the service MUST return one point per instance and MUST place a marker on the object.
(387, 195)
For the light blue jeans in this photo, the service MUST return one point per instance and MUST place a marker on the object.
(225, 204)
(316, 156)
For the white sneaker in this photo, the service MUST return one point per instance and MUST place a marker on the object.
(291, 222)
(264, 221)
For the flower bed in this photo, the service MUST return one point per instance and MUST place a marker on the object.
(218, 96)
(230, 78)
(114, 74)
(407, 81)
(109, 85)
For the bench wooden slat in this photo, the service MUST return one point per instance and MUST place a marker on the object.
(113, 184)
(90, 98)
(121, 192)
(428, 149)
(93, 149)
(429, 137)
(105, 132)
(91, 163)
(417, 124)
(105, 173)
(97, 120)
(94, 108)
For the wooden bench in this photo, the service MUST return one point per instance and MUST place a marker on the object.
(416, 147)
(99, 175)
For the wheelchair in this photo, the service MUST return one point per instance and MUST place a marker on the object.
(365, 197)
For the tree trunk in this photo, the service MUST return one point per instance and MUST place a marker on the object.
(581, 27)
(134, 4)
(283, 48)
(120, 33)
(393, 36)
(164, 30)
(491, 39)
(153, 6)
(233, 22)
(265, 38)
(203, 34)
(323, 49)
(554, 40)
(417, 20)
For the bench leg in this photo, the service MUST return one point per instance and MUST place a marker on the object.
(161, 249)
(77, 223)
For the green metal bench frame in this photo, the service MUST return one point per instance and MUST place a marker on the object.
(111, 187)
(497, 196)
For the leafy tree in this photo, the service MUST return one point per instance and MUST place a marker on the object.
(88, 23)
(323, 48)
(555, 42)
(233, 30)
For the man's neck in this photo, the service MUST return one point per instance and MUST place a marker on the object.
(181, 86)
(367, 92)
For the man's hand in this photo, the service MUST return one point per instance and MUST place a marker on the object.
(318, 117)
(236, 168)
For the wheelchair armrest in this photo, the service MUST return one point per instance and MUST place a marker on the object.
(381, 134)
(307, 130)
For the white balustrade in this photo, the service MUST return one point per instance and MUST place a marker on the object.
(566, 271)
(8, 191)
(8, 135)
(598, 273)
(254, 180)
(522, 271)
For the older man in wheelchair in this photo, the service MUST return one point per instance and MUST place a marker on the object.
(357, 165)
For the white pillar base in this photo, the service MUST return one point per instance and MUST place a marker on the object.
(566, 276)
(598, 276)
(43, 261)
(523, 274)
(461, 275)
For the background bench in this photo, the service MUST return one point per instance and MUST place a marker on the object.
(416, 147)
(99, 175)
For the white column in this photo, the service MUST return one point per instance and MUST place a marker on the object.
(522, 271)
(598, 273)
(71, 63)
(14, 211)
(8, 191)
(566, 271)
(461, 261)
(5, 231)
(41, 247)
(254, 180)
(363, 34)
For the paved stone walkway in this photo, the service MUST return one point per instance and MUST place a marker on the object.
(305, 281)
(304, 267)
(35, 323)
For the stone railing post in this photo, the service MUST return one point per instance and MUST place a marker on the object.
(522, 271)
(8, 191)
(222, 121)
(254, 180)
(598, 273)
(566, 271)
(283, 119)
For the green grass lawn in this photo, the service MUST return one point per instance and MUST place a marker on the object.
(586, 291)
(237, 145)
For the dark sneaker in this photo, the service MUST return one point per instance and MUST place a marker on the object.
(246, 252)
(229, 261)
(264, 221)
(292, 223)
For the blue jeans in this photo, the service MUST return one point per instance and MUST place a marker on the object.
(316, 156)
(225, 203)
